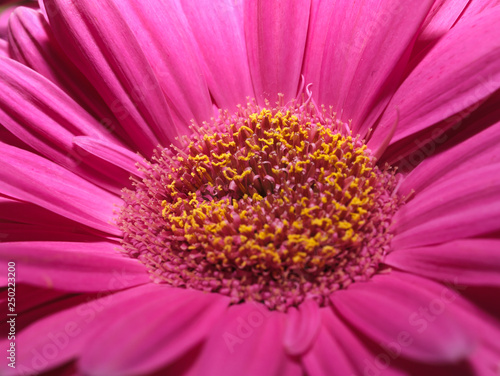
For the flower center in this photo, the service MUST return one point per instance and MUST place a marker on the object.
(272, 205)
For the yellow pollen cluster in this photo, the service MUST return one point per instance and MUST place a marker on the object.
(275, 205)
(281, 159)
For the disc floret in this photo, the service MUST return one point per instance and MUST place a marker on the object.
(271, 204)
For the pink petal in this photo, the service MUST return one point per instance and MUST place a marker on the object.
(339, 350)
(441, 18)
(110, 56)
(113, 160)
(356, 54)
(25, 212)
(387, 306)
(161, 325)
(476, 7)
(218, 30)
(275, 34)
(302, 327)
(32, 44)
(46, 118)
(4, 48)
(31, 178)
(15, 232)
(327, 357)
(459, 71)
(464, 205)
(62, 335)
(71, 266)
(162, 31)
(456, 298)
(244, 334)
(470, 261)
(478, 150)
(409, 152)
(4, 21)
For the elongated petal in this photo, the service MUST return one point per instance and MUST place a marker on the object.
(342, 351)
(302, 327)
(12, 210)
(117, 162)
(356, 54)
(479, 150)
(430, 142)
(73, 266)
(441, 18)
(461, 206)
(32, 44)
(218, 29)
(32, 296)
(172, 320)
(31, 178)
(4, 48)
(110, 56)
(385, 307)
(275, 33)
(475, 8)
(63, 335)
(461, 70)
(44, 117)
(244, 333)
(327, 357)
(163, 33)
(469, 261)
(20, 232)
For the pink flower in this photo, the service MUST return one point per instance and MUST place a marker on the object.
(359, 238)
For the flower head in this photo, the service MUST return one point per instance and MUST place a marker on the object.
(342, 222)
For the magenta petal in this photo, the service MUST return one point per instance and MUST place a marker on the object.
(478, 150)
(275, 33)
(29, 177)
(244, 333)
(160, 325)
(109, 55)
(4, 21)
(386, 306)
(327, 357)
(24, 212)
(46, 118)
(39, 112)
(481, 325)
(110, 159)
(4, 48)
(442, 16)
(340, 351)
(470, 261)
(163, 33)
(475, 8)
(218, 28)
(32, 44)
(63, 335)
(461, 70)
(461, 206)
(356, 50)
(20, 232)
(302, 327)
(69, 266)
(32, 297)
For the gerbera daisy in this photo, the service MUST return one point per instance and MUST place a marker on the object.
(314, 188)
